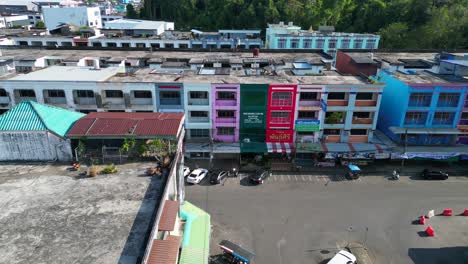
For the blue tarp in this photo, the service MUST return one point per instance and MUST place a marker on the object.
(353, 167)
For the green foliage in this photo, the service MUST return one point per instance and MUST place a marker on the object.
(131, 12)
(81, 150)
(40, 24)
(128, 145)
(335, 118)
(402, 23)
(109, 169)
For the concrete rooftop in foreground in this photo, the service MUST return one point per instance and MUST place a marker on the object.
(50, 215)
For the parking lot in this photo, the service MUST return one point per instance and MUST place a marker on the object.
(300, 218)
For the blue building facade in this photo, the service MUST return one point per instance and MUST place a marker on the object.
(420, 113)
(281, 36)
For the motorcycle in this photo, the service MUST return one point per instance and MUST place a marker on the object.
(395, 175)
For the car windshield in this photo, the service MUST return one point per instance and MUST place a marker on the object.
(193, 175)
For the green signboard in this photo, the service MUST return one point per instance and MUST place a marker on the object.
(307, 125)
(253, 118)
(253, 107)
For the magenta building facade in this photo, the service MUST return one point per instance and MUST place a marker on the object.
(225, 114)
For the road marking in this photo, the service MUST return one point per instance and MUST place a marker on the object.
(303, 178)
(295, 177)
(289, 177)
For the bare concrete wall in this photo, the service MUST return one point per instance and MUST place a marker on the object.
(39, 145)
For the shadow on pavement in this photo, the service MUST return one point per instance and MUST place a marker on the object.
(447, 255)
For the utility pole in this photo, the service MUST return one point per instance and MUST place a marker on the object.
(405, 143)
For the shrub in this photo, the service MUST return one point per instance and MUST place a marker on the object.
(109, 169)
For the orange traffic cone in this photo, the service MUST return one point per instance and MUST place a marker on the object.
(430, 231)
(447, 212)
(422, 220)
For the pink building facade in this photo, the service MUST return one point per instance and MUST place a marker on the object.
(226, 109)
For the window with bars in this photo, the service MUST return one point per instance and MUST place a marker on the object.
(332, 43)
(85, 93)
(3, 92)
(320, 43)
(226, 113)
(199, 95)
(142, 94)
(226, 96)
(358, 43)
(200, 133)
(448, 99)
(307, 114)
(358, 132)
(420, 99)
(278, 117)
(332, 132)
(308, 97)
(226, 131)
(370, 44)
(114, 94)
(345, 43)
(364, 96)
(281, 99)
(281, 43)
(198, 114)
(336, 96)
(415, 118)
(55, 93)
(307, 43)
(443, 118)
(294, 43)
(27, 93)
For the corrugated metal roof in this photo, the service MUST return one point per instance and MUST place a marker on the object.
(125, 124)
(164, 251)
(169, 216)
(32, 116)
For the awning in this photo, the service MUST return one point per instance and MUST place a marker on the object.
(197, 147)
(279, 147)
(253, 147)
(424, 130)
(309, 147)
(226, 148)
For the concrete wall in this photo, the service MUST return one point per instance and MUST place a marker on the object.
(346, 65)
(79, 16)
(40, 146)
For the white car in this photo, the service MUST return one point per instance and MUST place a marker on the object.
(197, 176)
(186, 171)
(343, 257)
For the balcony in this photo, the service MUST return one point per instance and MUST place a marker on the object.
(363, 121)
(415, 121)
(281, 102)
(442, 122)
(332, 138)
(199, 119)
(226, 120)
(86, 101)
(337, 102)
(141, 101)
(366, 103)
(419, 103)
(220, 102)
(55, 100)
(4, 100)
(197, 101)
(447, 103)
(170, 101)
(309, 103)
(280, 120)
(358, 139)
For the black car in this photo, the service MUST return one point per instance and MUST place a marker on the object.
(259, 176)
(434, 175)
(217, 176)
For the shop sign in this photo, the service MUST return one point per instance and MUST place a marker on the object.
(253, 117)
(279, 136)
(312, 125)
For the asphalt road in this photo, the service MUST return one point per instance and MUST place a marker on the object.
(306, 219)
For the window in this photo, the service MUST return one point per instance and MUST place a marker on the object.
(364, 96)
(140, 45)
(307, 114)
(38, 17)
(198, 114)
(448, 99)
(55, 93)
(3, 92)
(415, 118)
(199, 133)
(336, 96)
(226, 96)
(114, 94)
(345, 43)
(358, 43)
(169, 95)
(85, 93)
(280, 117)
(226, 131)
(335, 132)
(320, 43)
(464, 115)
(111, 44)
(294, 43)
(30, 17)
(361, 115)
(443, 118)
(307, 43)
(332, 43)
(420, 99)
(225, 113)
(199, 95)
(308, 97)
(27, 93)
(358, 132)
(281, 99)
(370, 44)
(142, 94)
(125, 45)
(281, 43)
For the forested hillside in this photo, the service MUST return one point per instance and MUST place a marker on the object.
(402, 23)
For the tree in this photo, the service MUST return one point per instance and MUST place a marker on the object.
(394, 36)
(40, 24)
(131, 12)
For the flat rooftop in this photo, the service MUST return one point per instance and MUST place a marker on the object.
(68, 73)
(426, 77)
(51, 215)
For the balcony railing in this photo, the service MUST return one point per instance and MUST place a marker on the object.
(366, 103)
(442, 122)
(19, 99)
(447, 104)
(199, 119)
(114, 101)
(419, 103)
(4, 100)
(366, 121)
(226, 120)
(141, 101)
(192, 101)
(281, 102)
(415, 121)
(221, 102)
(55, 100)
(463, 122)
(86, 101)
(309, 103)
(170, 101)
(280, 120)
(337, 102)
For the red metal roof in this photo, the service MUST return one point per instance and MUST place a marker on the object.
(168, 216)
(164, 251)
(126, 124)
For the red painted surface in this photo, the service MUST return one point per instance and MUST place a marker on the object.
(346, 65)
(281, 129)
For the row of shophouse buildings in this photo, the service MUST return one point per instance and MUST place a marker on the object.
(272, 103)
